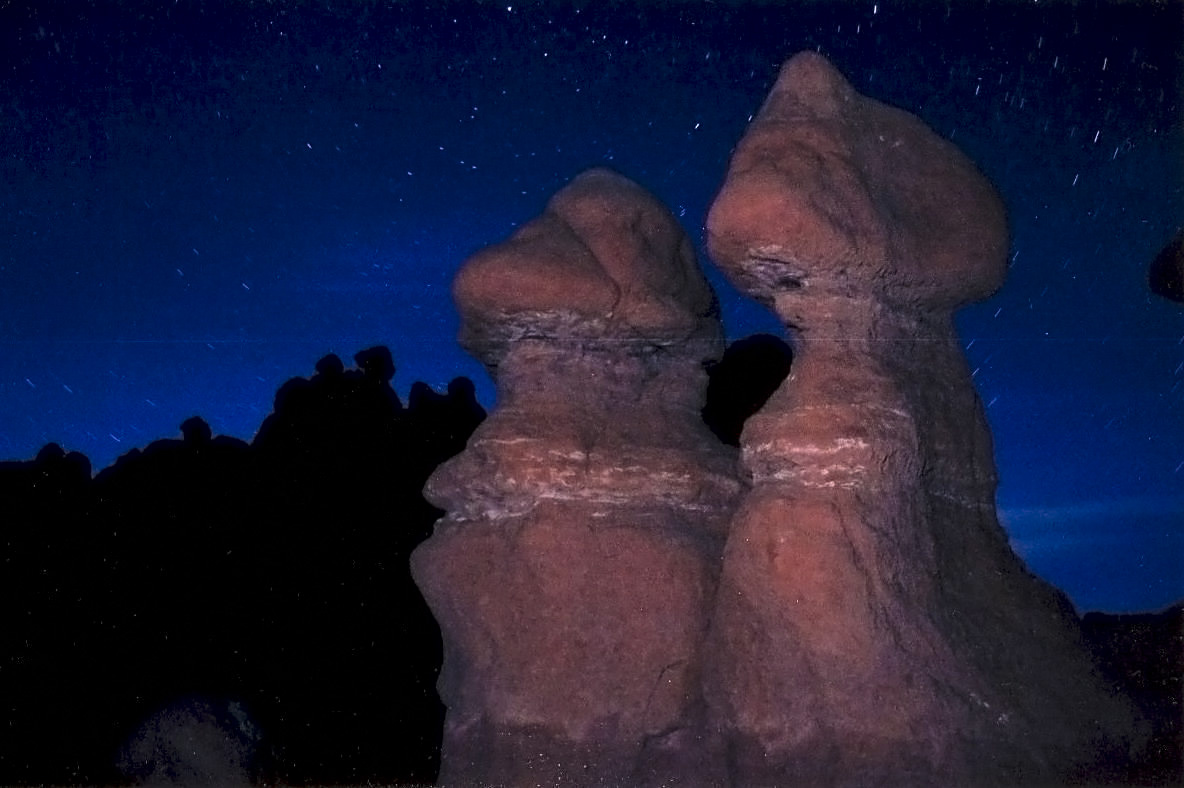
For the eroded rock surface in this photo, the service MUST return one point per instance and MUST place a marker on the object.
(575, 569)
(872, 625)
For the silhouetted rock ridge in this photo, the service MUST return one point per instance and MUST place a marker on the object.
(201, 579)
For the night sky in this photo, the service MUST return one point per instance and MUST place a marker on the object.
(201, 199)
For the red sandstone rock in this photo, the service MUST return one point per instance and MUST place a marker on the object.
(606, 258)
(828, 186)
(872, 626)
(575, 569)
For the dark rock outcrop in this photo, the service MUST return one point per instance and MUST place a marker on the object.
(573, 573)
(193, 742)
(1143, 653)
(872, 625)
(1166, 275)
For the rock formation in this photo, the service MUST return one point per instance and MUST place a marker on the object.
(872, 625)
(574, 571)
(1166, 274)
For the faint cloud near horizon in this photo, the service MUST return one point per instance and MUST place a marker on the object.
(1127, 522)
(1129, 506)
(1119, 555)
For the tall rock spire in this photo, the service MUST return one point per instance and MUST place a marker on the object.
(575, 569)
(872, 625)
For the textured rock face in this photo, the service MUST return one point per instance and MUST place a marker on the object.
(872, 626)
(576, 566)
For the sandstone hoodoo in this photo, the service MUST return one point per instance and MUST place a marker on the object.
(575, 569)
(872, 625)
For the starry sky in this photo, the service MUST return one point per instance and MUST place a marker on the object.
(201, 199)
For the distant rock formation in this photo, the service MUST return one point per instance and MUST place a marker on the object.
(872, 625)
(193, 742)
(574, 571)
(1166, 275)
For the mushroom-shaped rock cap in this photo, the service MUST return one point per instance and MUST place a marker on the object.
(831, 190)
(605, 260)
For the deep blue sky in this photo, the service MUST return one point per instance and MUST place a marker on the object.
(201, 199)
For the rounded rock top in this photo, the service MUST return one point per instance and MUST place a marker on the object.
(605, 260)
(834, 191)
